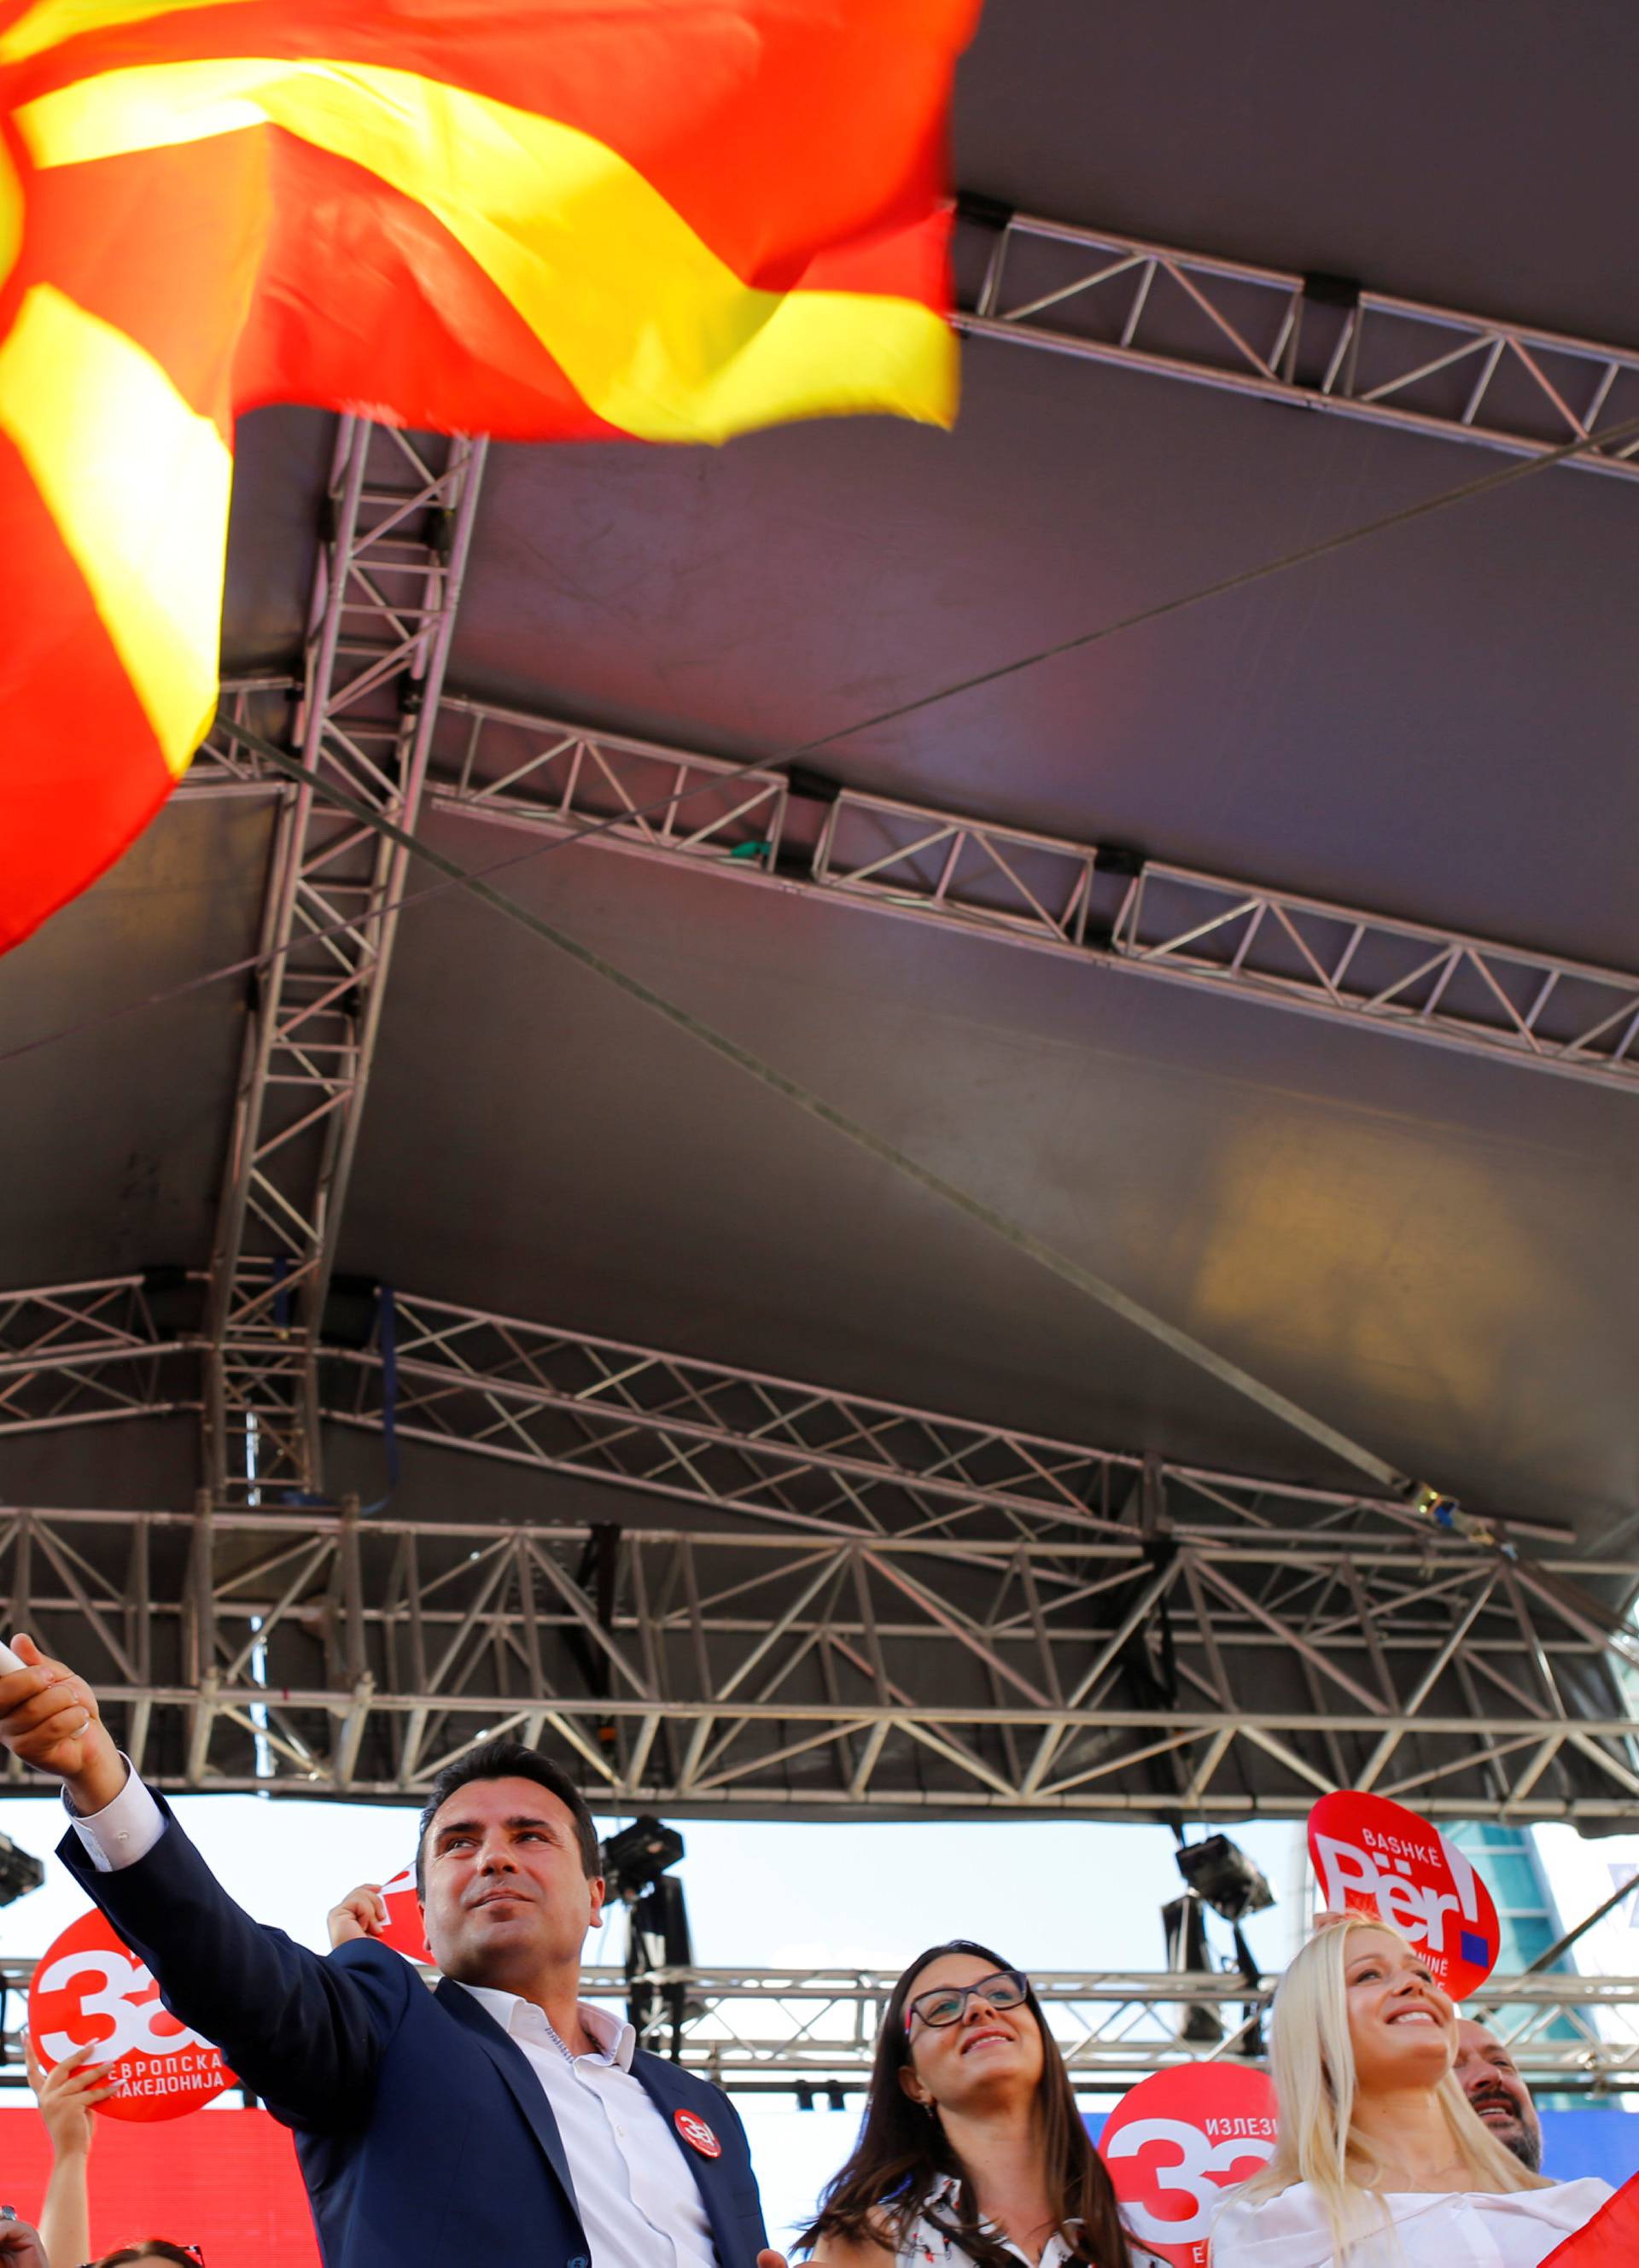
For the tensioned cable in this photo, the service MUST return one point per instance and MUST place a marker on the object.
(1069, 1271)
(1323, 548)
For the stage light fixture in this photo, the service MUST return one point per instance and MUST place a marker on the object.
(635, 1859)
(1224, 1878)
(20, 1871)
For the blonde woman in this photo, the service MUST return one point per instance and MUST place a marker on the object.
(1379, 2161)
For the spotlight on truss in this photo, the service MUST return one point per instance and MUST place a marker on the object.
(635, 1859)
(1223, 1877)
(20, 1871)
(635, 1863)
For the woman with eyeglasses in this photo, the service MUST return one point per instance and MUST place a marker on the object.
(972, 2150)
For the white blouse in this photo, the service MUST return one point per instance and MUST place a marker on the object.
(1426, 2230)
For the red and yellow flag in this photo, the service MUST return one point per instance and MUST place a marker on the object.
(671, 220)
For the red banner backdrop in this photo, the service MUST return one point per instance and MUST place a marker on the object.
(224, 2180)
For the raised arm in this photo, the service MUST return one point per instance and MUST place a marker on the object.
(306, 2034)
(65, 2095)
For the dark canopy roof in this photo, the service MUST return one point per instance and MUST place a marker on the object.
(1435, 1252)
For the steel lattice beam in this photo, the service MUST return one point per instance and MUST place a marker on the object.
(1321, 343)
(777, 2029)
(391, 563)
(861, 1605)
(786, 2026)
(704, 1672)
(1102, 904)
(782, 1452)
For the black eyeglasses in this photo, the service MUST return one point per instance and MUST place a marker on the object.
(947, 2003)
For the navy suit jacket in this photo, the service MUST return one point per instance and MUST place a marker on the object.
(424, 2136)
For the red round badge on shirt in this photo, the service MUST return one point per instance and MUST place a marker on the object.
(696, 2135)
(90, 1990)
(1374, 1857)
(1178, 2142)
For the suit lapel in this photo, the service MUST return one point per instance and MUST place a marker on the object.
(654, 2074)
(513, 2066)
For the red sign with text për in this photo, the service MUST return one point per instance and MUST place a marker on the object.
(91, 1991)
(403, 1929)
(1374, 1857)
(1178, 2142)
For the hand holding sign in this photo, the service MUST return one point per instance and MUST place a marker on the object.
(1178, 2142)
(1374, 1857)
(67, 2096)
(389, 1912)
(91, 1991)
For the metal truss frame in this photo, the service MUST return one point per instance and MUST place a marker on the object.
(1319, 343)
(399, 526)
(859, 1607)
(806, 2028)
(1101, 903)
(767, 2030)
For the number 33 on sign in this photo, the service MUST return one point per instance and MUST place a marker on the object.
(1176, 2143)
(90, 1990)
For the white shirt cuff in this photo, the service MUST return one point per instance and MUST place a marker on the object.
(122, 1831)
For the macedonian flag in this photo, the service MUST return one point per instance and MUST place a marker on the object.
(670, 220)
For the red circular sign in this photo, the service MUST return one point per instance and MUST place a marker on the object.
(404, 1930)
(1178, 2142)
(90, 1989)
(697, 2133)
(1374, 1857)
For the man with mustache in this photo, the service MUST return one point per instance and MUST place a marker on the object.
(498, 2118)
(1486, 2074)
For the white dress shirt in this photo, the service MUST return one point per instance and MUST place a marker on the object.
(1424, 2229)
(639, 2204)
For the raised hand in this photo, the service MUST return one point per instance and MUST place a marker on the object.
(361, 1913)
(50, 1718)
(66, 2094)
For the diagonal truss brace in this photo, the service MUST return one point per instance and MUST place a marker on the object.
(391, 560)
(891, 1610)
(791, 2027)
(363, 1654)
(755, 2031)
(1103, 904)
(1321, 343)
(885, 1609)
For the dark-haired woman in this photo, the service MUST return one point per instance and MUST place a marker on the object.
(972, 2150)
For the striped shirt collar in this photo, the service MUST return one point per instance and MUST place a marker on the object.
(524, 2020)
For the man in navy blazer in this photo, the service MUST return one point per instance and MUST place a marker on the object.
(495, 2120)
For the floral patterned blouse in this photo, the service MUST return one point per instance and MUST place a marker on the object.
(927, 2247)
